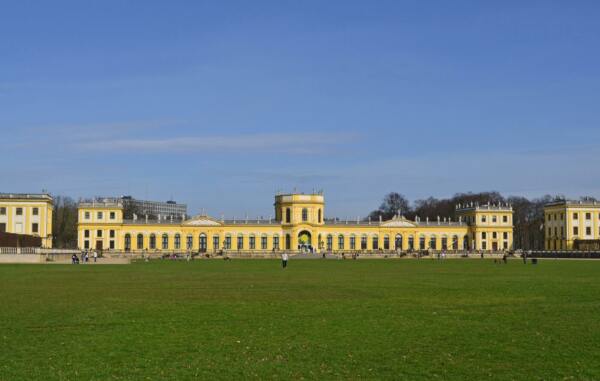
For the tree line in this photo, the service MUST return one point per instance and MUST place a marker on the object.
(528, 214)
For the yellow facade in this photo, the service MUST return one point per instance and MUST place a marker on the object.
(299, 224)
(27, 214)
(567, 222)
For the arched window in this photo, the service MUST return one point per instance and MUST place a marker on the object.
(240, 242)
(227, 242)
(202, 242)
(263, 242)
(466, 242)
(216, 242)
(288, 215)
(352, 242)
(432, 243)
(189, 244)
(386, 242)
(411, 243)
(140, 241)
(320, 215)
(444, 242)
(398, 242)
(276, 242)
(375, 242)
(288, 242)
(252, 242)
(454, 242)
(421, 242)
(363, 242)
(341, 242)
(177, 241)
(304, 214)
(127, 242)
(165, 241)
(152, 241)
(329, 242)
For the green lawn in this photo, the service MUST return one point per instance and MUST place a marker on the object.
(367, 319)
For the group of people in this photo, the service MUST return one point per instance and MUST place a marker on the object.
(85, 257)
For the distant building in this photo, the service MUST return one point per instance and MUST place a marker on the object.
(27, 213)
(155, 208)
(299, 224)
(571, 225)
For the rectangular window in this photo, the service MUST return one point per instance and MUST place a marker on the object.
(588, 216)
(483, 235)
(86, 244)
(494, 219)
(575, 216)
(35, 211)
(99, 233)
(111, 244)
(588, 230)
(112, 215)
(112, 234)
(549, 232)
(99, 215)
(86, 233)
(484, 245)
(352, 242)
(505, 246)
(2, 211)
(2, 227)
(505, 235)
(276, 242)
(575, 230)
(35, 227)
(87, 215)
(240, 242)
(227, 243)
(19, 211)
(252, 242)
(562, 231)
(494, 235)
(505, 219)
(263, 242)
(483, 218)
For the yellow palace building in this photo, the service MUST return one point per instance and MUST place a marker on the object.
(299, 224)
(572, 225)
(27, 213)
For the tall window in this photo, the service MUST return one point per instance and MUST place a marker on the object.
(189, 244)
(288, 215)
(444, 243)
(575, 216)
(432, 243)
(252, 242)
(263, 242)
(398, 242)
(165, 241)
(304, 214)
(363, 242)
(228, 242)
(352, 242)
(505, 219)
(152, 241)
(288, 242)
(2, 211)
(127, 242)
(240, 242)
(588, 216)
(36, 211)
(422, 242)
(275, 242)
(99, 215)
(87, 215)
(35, 227)
(112, 215)
(329, 242)
(340, 242)
(320, 216)
(177, 241)
(140, 241)
(216, 242)
(386, 242)
(455, 242)
(375, 242)
(202, 242)
(411, 243)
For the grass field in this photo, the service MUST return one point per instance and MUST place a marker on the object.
(368, 319)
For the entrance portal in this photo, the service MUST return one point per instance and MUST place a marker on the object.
(304, 240)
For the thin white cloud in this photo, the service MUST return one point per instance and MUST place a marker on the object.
(305, 143)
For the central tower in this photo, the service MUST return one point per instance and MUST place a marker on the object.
(298, 208)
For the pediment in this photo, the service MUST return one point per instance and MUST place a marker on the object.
(202, 221)
(398, 222)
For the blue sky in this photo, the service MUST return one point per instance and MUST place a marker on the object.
(220, 104)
